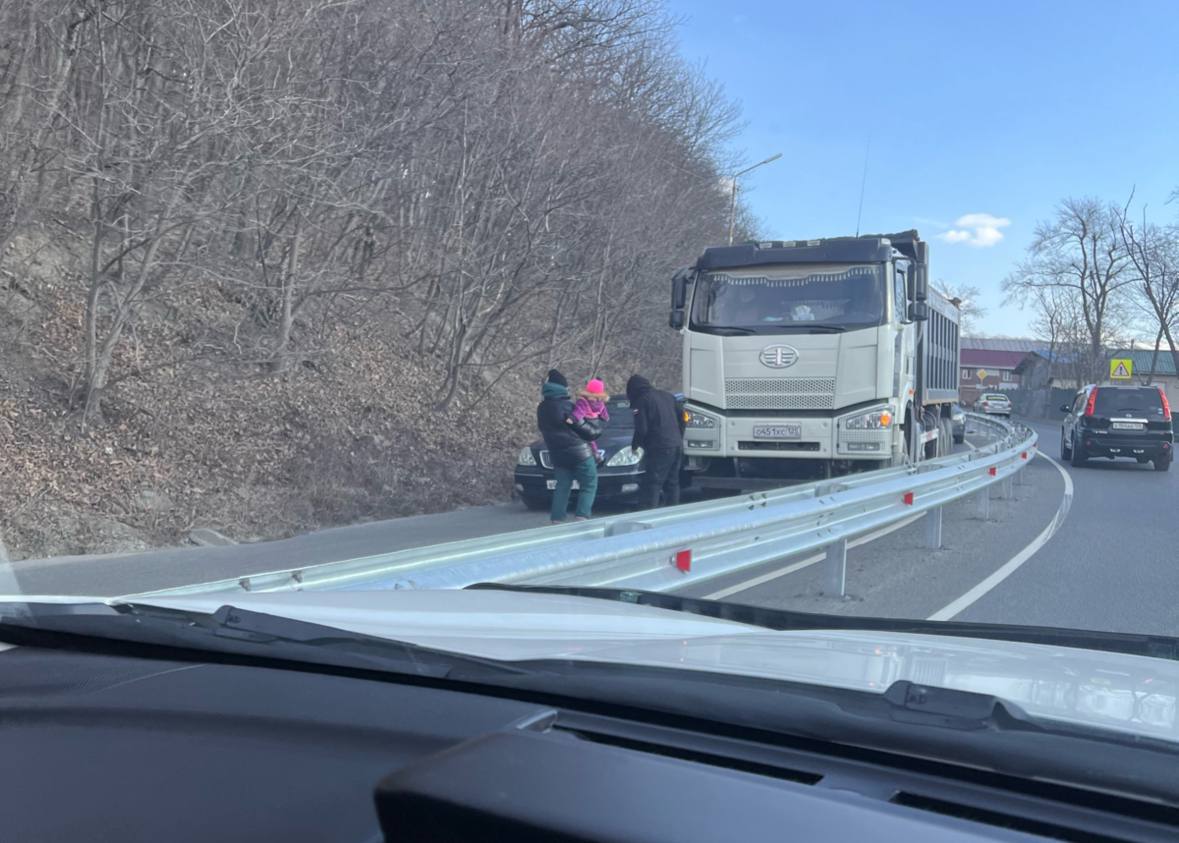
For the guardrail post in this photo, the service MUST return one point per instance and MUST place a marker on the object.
(933, 528)
(1008, 488)
(984, 503)
(837, 568)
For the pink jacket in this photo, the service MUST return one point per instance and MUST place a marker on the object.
(590, 408)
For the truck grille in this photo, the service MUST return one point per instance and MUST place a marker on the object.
(780, 393)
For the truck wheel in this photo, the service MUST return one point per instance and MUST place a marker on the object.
(931, 450)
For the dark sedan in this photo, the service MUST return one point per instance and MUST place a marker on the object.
(618, 475)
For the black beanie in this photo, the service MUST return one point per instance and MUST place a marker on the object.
(557, 378)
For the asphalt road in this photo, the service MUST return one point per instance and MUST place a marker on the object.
(1090, 548)
(113, 574)
(108, 575)
(1114, 563)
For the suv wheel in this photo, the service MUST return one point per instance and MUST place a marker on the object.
(1065, 451)
(1076, 453)
(1162, 463)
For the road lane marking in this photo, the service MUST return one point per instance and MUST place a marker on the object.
(1013, 564)
(806, 563)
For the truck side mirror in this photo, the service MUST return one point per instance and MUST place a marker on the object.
(679, 297)
(921, 282)
(921, 271)
(918, 311)
(679, 289)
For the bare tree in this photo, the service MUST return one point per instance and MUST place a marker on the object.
(1154, 255)
(1080, 253)
(504, 184)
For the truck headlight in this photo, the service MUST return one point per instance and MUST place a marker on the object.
(625, 456)
(699, 420)
(875, 420)
(525, 457)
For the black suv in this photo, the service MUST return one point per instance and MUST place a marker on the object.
(1118, 421)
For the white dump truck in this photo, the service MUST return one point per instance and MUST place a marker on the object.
(813, 358)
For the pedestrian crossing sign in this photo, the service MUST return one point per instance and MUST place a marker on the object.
(1121, 369)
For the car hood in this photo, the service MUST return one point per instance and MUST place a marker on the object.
(1134, 694)
(617, 437)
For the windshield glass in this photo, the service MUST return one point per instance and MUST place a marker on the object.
(303, 300)
(791, 300)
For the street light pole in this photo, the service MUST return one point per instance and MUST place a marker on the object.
(733, 194)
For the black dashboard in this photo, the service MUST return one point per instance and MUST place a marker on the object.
(101, 746)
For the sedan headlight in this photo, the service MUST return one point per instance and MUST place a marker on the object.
(525, 457)
(625, 456)
(875, 420)
(699, 421)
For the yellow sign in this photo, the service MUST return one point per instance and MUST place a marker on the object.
(1121, 369)
(982, 374)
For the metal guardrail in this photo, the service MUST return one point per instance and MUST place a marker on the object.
(669, 548)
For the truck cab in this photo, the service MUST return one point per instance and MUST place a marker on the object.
(817, 357)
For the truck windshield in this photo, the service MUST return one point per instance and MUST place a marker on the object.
(790, 300)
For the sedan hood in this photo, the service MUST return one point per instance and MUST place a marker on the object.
(1128, 693)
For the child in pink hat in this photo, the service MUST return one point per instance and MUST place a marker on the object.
(591, 404)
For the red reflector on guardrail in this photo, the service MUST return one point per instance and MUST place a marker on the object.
(908, 498)
(683, 560)
(1024, 455)
(992, 471)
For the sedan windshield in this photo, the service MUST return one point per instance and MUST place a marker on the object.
(791, 301)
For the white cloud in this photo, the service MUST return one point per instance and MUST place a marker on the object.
(981, 230)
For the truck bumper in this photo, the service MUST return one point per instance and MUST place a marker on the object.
(780, 437)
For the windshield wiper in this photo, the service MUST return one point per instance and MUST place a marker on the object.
(237, 631)
(728, 330)
(820, 328)
(1152, 646)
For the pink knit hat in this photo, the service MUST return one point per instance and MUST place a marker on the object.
(595, 387)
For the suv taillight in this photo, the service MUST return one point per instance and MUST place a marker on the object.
(1091, 403)
(1166, 404)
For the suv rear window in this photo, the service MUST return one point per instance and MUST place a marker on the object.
(1144, 400)
(994, 397)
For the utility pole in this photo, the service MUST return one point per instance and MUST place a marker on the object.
(733, 188)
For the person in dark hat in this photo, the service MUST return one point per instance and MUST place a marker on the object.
(567, 439)
(659, 431)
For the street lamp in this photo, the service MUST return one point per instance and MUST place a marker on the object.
(733, 197)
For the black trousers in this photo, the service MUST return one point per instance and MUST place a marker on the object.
(661, 477)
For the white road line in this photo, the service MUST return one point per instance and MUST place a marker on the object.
(1013, 564)
(810, 560)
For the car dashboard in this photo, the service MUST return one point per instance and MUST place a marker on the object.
(119, 747)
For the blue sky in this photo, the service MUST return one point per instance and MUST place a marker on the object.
(973, 111)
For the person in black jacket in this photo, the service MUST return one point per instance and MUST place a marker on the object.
(659, 431)
(567, 440)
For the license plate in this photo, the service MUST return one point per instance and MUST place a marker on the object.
(777, 431)
(1127, 426)
(552, 484)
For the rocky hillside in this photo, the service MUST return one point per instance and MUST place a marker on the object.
(297, 264)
